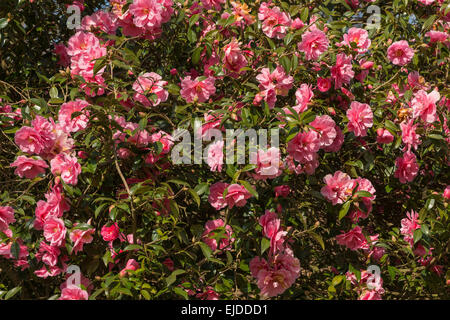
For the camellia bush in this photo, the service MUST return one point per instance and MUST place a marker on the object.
(129, 168)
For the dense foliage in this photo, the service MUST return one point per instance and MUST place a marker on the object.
(359, 180)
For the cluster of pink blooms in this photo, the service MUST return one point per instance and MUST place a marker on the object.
(208, 234)
(368, 287)
(272, 84)
(47, 144)
(234, 60)
(304, 147)
(409, 225)
(198, 89)
(150, 83)
(143, 18)
(141, 139)
(279, 272)
(83, 48)
(339, 188)
(236, 195)
(275, 23)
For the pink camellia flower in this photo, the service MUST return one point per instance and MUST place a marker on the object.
(446, 193)
(212, 121)
(323, 84)
(275, 278)
(313, 44)
(297, 23)
(65, 116)
(277, 79)
(409, 136)
(360, 118)
(342, 71)
(426, 2)
(212, 4)
(29, 167)
(409, 225)
(359, 37)
(370, 295)
(384, 136)
(436, 36)
(67, 167)
(49, 135)
(407, 167)
(48, 254)
(338, 187)
(6, 217)
(132, 265)
(80, 237)
(337, 143)
(82, 42)
(55, 231)
(424, 105)
(272, 229)
(207, 235)
(164, 138)
(233, 60)
(237, 195)
(304, 146)
(110, 233)
(365, 185)
(100, 21)
(326, 128)
(275, 23)
(400, 53)
(55, 206)
(303, 96)
(29, 140)
(73, 292)
(150, 14)
(268, 164)
(197, 90)
(5, 250)
(216, 195)
(354, 239)
(215, 156)
(61, 51)
(150, 89)
(282, 191)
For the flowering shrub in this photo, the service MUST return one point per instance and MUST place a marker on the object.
(355, 177)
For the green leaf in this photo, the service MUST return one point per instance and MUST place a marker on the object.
(207, 252)
(196, 55)
(3, 23)
(304, 14)
(336, 280)
(181, 292)
(195, 196)
(194, 19)
(132, 247)
(318, 239)
(173, 276)
(191, 35)
(145, 294)
(344, 210)
(11, 293)
(265, 244)
(54, 93)
(417, 235)
(363, 194)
